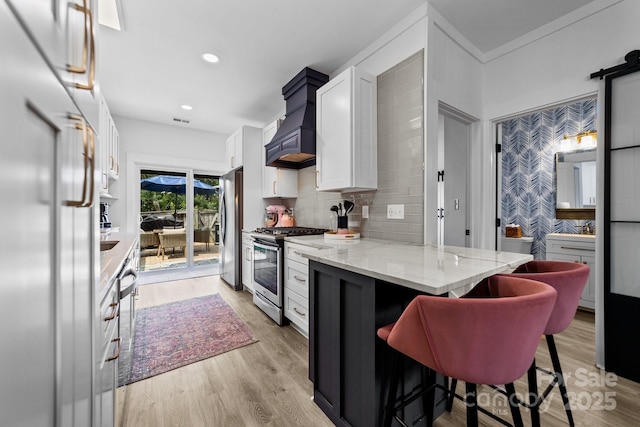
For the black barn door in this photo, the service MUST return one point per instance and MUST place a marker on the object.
(622, 219)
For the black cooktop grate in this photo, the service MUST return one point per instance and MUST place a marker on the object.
(290, 231)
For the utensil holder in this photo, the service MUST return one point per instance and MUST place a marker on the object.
(343, 222)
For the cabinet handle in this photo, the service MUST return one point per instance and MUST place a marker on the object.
(297, 253)
(233, 161)
(576, 249)
(274, 187)
(81, 69)
(85, 148)
(301, 314)
(114, 313)
(92, 164)
(117, 353)
(92, 55)
(299, 279)
(317, 172)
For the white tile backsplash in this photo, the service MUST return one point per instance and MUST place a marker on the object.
(400, 164)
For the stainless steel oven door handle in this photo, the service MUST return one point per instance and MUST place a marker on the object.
(267, 246)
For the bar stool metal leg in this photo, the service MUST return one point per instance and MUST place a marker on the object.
(429, 396)
(514, 405)
(558, 370)
(389, 411)
(452, 394)
(534, 399)
(472, 405)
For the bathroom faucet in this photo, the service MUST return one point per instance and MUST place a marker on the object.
(586, 228)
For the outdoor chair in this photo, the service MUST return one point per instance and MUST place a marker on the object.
(172, 238)
(202, 236)
(149, 239)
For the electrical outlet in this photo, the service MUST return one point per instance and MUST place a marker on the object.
(365, 212)
(395, 211)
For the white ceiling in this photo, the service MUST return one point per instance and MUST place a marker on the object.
(488, 24)
(153, 67)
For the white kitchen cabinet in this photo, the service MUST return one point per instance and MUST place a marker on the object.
(276, 182)
(576, 248)
(252, 204)
(296, 286)
(81, 65)
(235, 150)
(46, 21)
(346, 146)
(49, 269)
(247, 258)
(65, 33)
(108, 345)
(109, 152)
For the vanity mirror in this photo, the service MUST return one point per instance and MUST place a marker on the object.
(576, 184)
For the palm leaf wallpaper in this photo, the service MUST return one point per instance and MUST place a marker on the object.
(528, 162)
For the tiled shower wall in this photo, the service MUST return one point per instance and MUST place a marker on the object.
(529, 144)
(400, 159)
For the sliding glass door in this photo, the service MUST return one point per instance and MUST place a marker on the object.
(178, 220)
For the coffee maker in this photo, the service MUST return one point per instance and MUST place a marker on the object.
(105, 222)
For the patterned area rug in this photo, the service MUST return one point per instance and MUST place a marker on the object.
(176, 334)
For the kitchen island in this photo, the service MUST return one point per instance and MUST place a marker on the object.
(358, 286)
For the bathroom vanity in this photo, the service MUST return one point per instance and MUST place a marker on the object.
(576, 248)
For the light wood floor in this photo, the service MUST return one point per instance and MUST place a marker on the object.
(265, 384)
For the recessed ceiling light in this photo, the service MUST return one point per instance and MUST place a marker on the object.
(210, 57)
(187, 107)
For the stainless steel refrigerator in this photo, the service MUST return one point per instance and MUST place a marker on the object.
(231, 228)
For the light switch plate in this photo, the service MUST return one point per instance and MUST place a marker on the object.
(365, 212)
(395, 211)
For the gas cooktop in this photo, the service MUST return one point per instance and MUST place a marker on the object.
(282, 232)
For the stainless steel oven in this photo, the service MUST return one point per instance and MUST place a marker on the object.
(267, 269)
(267, 266)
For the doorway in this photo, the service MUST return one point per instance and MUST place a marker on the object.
(179, 221)
(453, 187)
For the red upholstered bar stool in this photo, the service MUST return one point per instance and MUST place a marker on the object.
(489, 340)
(569, 280)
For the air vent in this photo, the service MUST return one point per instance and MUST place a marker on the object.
(179, 120)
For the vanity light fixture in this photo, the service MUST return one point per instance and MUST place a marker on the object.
(211, 58)
(588, 139)
(582, 141)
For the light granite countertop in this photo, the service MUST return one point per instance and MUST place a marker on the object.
(427, 268)
(573, 236)
(111, 260)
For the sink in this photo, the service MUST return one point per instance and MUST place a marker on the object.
(106, 245)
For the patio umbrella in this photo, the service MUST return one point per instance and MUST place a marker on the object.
(176, 185)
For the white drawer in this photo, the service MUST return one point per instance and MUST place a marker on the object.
(109, 311)
(294, 252)
(296, 309)
(573, 247)
(297, 277)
